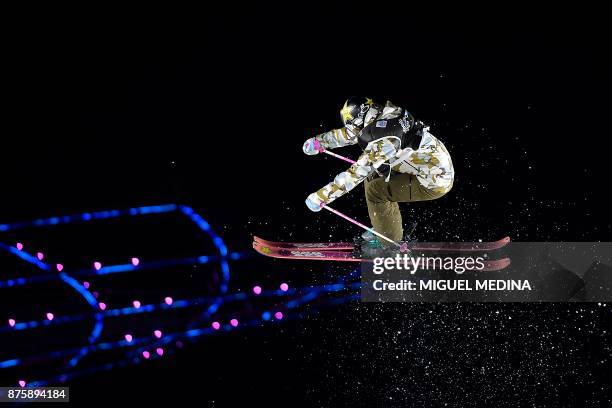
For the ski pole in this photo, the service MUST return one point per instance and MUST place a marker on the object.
(346, 159)
(321, 149)
(403, 246)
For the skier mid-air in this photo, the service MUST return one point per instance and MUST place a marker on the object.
(401, 162)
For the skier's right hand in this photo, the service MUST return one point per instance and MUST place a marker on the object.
(312, 146)
(313, 202)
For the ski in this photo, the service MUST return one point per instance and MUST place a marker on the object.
(414, 246)
(319, 246)
(345, 256)
(303, 253)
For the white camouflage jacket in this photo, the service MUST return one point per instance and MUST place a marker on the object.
(430, 162)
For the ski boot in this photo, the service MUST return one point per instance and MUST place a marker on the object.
(366, 245)
(376, 249)
(367, 236)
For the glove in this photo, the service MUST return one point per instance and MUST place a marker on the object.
(312, 146)
(313, 202)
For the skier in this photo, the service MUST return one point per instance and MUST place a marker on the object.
(401, 162)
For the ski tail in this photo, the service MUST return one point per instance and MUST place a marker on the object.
(311, 254)
(318, 246)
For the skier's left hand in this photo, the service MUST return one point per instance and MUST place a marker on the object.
(312, 146)
(313, 202)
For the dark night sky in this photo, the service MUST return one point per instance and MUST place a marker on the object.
(212, 111)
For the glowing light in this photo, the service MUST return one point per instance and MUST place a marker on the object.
(88, 292)
(157, 333)
(266, 315)
(146, 354)
(257, 290)
(159, 351)
(22, 383)
(278, 315)
(216, 325)
(284, 287)
(19, 246)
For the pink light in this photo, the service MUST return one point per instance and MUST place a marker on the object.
(128, 338)
(234, 322)
(284, 287)
(257, 290)
(136, 304)
(50, 316)
(146, 354)
(168, 300)
(86, 285)
(159, 351)
(40, 256)
(12, 322)
(102, 306)
(19, 246)
(22, 383)
(97, 266)
(135, 261)
(216, 325)
(59, 267)
(278, 315)
(157, 333)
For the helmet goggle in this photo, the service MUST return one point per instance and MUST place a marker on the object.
(353, 113)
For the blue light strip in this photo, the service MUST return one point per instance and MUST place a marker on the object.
(121, 268)
(85, 294)
(29, 258)
(98, 318)
(186, 336)
(146, 341)
(176, 304)
(197, 329)
(88, 216)
(224, 284)
(101, 215)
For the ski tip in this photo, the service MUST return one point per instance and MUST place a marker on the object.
(260, 240)
(262, 249)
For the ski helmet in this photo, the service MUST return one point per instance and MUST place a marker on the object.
(355, 109)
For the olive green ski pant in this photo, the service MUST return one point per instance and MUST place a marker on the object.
(383, 198)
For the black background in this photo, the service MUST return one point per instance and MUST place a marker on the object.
(112, 109)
